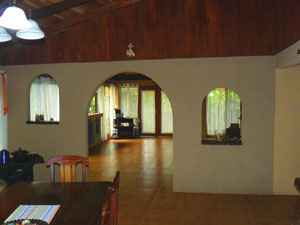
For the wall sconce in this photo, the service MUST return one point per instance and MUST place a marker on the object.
(130, 52)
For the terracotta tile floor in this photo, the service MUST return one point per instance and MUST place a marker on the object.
(146, 196)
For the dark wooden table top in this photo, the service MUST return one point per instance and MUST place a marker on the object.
(81, 203)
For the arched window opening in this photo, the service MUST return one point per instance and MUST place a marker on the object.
(221, 122)
(44, 99)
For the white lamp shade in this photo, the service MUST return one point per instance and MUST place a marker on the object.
(33, 33)
(14, 18)
(4, 36)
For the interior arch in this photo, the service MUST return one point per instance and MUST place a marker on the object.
(139, 140)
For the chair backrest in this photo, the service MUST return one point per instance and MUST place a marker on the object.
(3, 185)
(114, 204)
(109, 213)
(105, 214)
(67, 166)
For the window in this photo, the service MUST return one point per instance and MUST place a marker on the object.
(221, 117)
(129, 99)
(93, 107)
(3, 110)
(44, 99)
(166, 115)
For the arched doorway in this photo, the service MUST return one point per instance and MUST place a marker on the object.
(132, 123)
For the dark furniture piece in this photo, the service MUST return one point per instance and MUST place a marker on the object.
(124, 128)
(297, 184)
(17, 170)
(67, 164)
(80, 202)
(110, 207)
(233, 133)
(3, 185)
(94, 129)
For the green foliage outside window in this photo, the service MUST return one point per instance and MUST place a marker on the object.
(223, 108)
(92, 108)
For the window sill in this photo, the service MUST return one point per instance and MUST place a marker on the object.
(215, 142)
(43, 122)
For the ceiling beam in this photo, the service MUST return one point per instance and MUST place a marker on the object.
(56, 8)
(106, 9)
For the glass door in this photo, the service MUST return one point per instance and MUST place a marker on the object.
(155, 112)
(148, 112)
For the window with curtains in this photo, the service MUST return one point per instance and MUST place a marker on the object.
(93, 106)
(3, 110)
(44, 99)
(129, 95)
(166, 115)
(221, 116)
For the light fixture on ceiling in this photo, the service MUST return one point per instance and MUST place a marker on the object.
(14, 18)
(4, 36)
(33, 33)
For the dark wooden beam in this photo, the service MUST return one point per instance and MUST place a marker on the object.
(298, 52)
(56, 8)
(100, 11)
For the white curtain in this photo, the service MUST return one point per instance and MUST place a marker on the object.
(44, 98)
(3, 111)
(233, 105)
(222, 109)
(148, 111)
(129, 100)
(166, 115)
(103, 107)
(112, 91)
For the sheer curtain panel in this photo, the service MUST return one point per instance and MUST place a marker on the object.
(222, 109)
(148, 111)
(44, 99)
(3, 111)
(112, 92)
(103, 107)
(166, 115)
(129, 99)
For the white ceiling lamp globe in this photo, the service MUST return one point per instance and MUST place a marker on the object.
(33, 33)
(14, 18)
(4, 36)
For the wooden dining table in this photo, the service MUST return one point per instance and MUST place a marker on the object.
(80, 202)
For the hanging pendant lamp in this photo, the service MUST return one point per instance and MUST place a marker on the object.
(14, 18)
(4, 36)
(33, 33)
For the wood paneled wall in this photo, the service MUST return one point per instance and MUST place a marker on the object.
(288, 23)
(171, 29)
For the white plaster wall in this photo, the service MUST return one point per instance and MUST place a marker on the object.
(287, 126)
(289, 56)
(197, 168)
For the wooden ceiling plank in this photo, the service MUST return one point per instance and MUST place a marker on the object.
(116, 5)
(56, 8)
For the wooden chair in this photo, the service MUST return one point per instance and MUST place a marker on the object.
(3, 185)
(110, 207)
(67, 166)
(105, 214)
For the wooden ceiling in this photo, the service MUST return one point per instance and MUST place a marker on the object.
(101, 30)
(56, 15)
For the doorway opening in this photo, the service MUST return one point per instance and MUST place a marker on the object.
(129, 106)
(130, 129)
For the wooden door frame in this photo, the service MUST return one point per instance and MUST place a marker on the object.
(157, 109)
